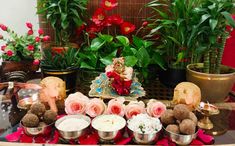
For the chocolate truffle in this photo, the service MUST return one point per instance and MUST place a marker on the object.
(49, 116)
(187, 126)
(181, 112)
(173, 128)
(168, 117)
(30, 120)
(38, 109)
(193, 117)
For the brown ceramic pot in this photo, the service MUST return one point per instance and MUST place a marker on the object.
(214, 87)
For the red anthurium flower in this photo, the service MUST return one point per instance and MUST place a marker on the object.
(30, 47)
(46, 38)
(9, 53)
(116, 19)
(3, 47)
(3, 27)
(40, 31)
(80, 29)
(30, 32)
(127, 28)
(29, 25)
(109, 4)
(36, 62)
(37, 39)
(99, 16)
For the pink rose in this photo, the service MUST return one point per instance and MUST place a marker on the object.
(36, 62)
(3, 27)
(134, 108)
(40, 31)
(116, 106)
(3, 47)
(95, 107)
(30, 47)
(37, 39)
(46, 38)
(155, 108)
(76, 103)
(30, 32)
(29, 25)
(9, 53)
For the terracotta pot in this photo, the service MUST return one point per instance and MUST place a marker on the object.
(214, 87)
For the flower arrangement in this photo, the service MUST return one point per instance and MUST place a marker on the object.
(22, 48)
(78, 103)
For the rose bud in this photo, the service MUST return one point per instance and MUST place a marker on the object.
(145, 23)
(36, 62)
(40, 31)
(30, 32)
(9, 53)
(46, 38)
(30, 47)
(3, 47)
(37, 39)
(29, 25)
(3, 27)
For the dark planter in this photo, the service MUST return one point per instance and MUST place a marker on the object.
(69, 76)
(171, 77)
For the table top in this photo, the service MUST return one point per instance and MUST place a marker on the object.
(224, 125)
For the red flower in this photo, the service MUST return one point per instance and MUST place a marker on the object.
(145, 23)
(37, 39)
(29, 25)
(116, 19)
(3, 47)
(93, 29)
(30, 47)
(80, 29)
(99, 16)
(40, 31)
(9, 53)
(3, 27)
(127, 28)
(36, 62)
(46, 38)
(30, 32)
(109, 4)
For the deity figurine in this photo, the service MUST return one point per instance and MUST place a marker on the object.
(120, 76)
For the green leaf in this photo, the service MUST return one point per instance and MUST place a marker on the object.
(158, 59)
(124, 40)
(213, 23)
(180, 56)
(96, 44)
(105, 37)
(130, 61)
(143, 57)
(174, 40)
(86, 66)
(229, 18)
(65, 24)
(109, 59)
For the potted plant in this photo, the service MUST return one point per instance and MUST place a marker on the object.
(63, 65)
(173, 24)
(100, 48)
(21, 52)
(210, 45)
(64, 16)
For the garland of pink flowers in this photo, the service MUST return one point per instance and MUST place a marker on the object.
(77, 103)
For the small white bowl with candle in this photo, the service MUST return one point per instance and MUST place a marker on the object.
(72, 126)
(108, 126)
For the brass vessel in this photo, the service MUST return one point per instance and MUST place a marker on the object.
(214, 87)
